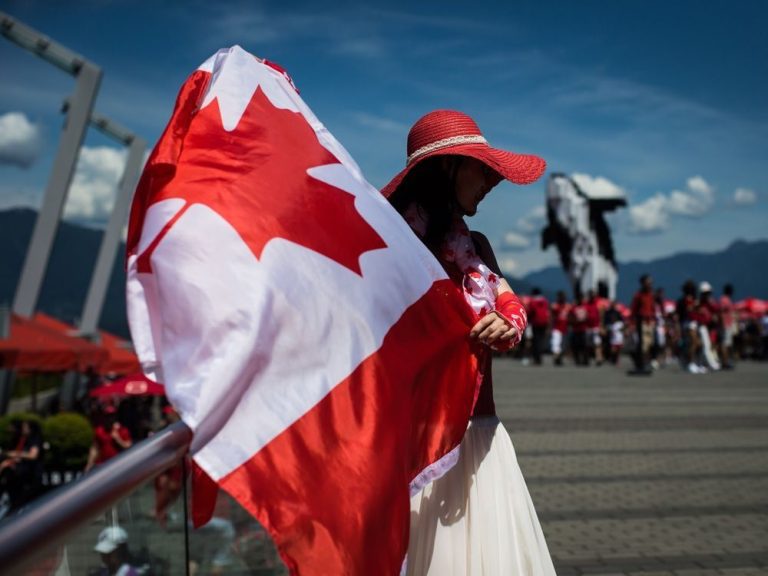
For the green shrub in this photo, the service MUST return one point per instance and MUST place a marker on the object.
(6, 431)
(69, 437)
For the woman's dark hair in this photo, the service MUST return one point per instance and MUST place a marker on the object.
(432, 187)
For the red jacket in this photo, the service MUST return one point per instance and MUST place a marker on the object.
(643, 306)
(579, 317)
(593, 315)
(538, 311)
(560, 312)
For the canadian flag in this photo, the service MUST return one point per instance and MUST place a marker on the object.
(312, 343)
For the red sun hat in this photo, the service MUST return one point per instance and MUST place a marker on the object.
(445, 132)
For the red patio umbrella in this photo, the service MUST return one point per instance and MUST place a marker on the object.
(119, 355)
(133, 385)
(33, 347)
(752, 306)
(122, 359)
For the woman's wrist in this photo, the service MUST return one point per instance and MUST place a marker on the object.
(511, 309)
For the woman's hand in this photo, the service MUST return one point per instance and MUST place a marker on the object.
(492, 329)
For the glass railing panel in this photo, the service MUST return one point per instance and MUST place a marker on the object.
(148, 530)
(130, 532)
(233, 543)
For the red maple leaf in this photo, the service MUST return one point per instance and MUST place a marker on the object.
(255, 177)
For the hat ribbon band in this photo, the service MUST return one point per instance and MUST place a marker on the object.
(444, 143)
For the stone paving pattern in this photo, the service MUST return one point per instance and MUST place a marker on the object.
(659, 475)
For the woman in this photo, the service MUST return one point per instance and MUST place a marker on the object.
(478, 518)
(109, 439)
(21, 471)
(689, 328)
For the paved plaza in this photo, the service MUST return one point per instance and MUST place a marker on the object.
(659, 475)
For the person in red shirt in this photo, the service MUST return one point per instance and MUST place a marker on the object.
(109, 439)
(560, 311)
(538, 320)
(708, 310)
(709, 320)
(688, 317)
(594, 327)
(614, 327)
(728, 326)
(578, 319)
(661, 350)
(643, 310)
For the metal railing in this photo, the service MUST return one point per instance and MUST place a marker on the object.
(55, 516)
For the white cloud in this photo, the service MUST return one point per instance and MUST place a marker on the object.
(508, 265)
(20, 140)
(696, 201)
(598, 187)
(653, 214)
(744, 196)
(515, 241)
(19, 196)
(94, 187)
(532, 222)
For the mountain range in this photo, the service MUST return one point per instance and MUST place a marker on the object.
(76, 247)
(69, 270)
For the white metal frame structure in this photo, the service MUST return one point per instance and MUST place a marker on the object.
(88, 77)
(79, 113)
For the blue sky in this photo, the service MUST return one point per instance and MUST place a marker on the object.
(666, 100)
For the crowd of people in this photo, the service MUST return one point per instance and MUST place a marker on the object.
(701, 331)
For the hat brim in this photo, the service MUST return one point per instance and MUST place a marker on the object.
(516, 168)
(106, 547)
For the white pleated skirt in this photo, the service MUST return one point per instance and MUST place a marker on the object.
(478, 519)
